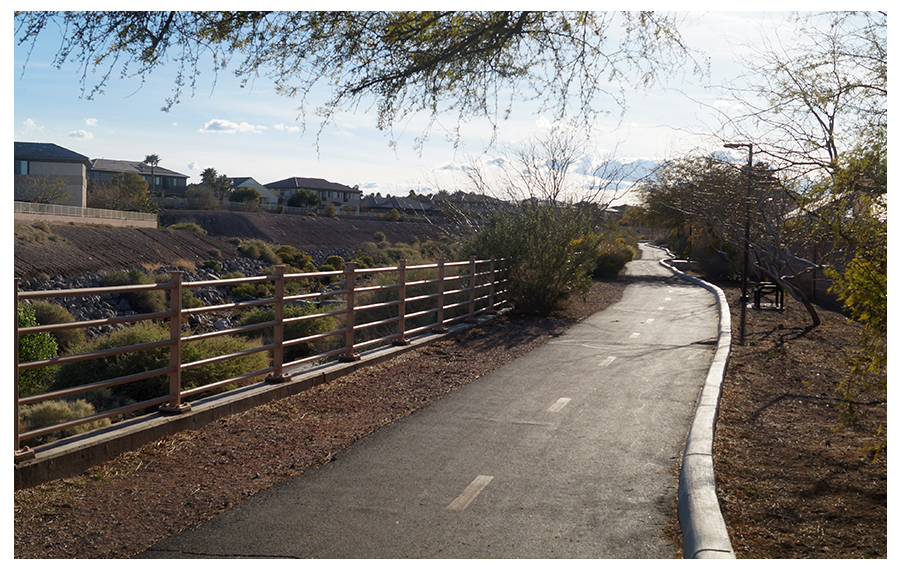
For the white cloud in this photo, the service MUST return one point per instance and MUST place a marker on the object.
(226, 126)
(30, 125)
(289, 129)
(193, 166)
(81, 134)
(90, 121)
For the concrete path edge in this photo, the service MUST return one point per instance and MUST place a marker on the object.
(703, 531)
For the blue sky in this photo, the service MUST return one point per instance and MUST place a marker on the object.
(253, 132)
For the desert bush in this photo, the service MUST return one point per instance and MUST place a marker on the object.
(714, 259)
(379, 236)
(141, 301)
(547, 258)
(49, 313)
(188, 300)
(43, 414)
(260, 250)
(292, 330)
(336, 262)
(610, 263)
(212, 265)
(188, 226)
(87, 371)
(247, 291)
(37, 346)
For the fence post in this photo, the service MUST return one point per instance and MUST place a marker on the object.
(176, 406)
(24, 453)
(401, 306)
(471, 316)
(350, 355)
(278, 352)
(440, 308)
(491, 279)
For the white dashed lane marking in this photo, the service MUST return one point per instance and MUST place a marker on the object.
(559, 404)
(473, 489)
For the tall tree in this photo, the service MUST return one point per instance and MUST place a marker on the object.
(712, 197)
(815, 95)
(124, 192)
(473, 64)
(152, 161)
(41, 189)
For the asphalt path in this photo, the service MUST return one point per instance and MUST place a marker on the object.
(570, 451)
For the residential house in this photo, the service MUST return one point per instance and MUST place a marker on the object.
(403, 205)
(474, 203)
(340, 196)
(164, 180)
(267, 198)
(49, 159)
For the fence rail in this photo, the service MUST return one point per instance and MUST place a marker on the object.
(72, 211)
(369, 306)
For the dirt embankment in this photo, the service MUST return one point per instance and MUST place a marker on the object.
(70, 250)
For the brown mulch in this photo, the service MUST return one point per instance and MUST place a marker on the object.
(789, 485)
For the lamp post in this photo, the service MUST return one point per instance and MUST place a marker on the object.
(744, 298)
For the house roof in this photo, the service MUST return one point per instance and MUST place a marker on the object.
(310, 183)
(27, 151)
(118, 166)
(399, 203)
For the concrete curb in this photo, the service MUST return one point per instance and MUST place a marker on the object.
(704, 535)
(71, 456)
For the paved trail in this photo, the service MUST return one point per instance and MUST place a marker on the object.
(567, 452)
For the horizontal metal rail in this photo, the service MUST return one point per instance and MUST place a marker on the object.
(360, 312)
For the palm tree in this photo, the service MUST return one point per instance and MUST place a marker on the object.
(152, 161)
(208, 177)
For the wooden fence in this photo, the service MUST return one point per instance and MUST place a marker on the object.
(371, 307)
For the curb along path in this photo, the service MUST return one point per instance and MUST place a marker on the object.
(704, 534)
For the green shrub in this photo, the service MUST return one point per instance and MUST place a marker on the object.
(37, 346)
(249, 250)
(714, 263)
(188, 300)
(43, 414)
(49, 313)
(379, 236)
(292, 330)
(363, 260)
(546, 253)
(188, 226)
(141, 301)
(88, 371)
(213, 265)
(260, 250)
(336, 262)
(247, 291)
(224, 369)
(610, 263)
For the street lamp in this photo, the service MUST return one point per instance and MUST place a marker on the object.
(744, 298)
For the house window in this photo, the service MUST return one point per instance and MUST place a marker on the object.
(21, 167)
